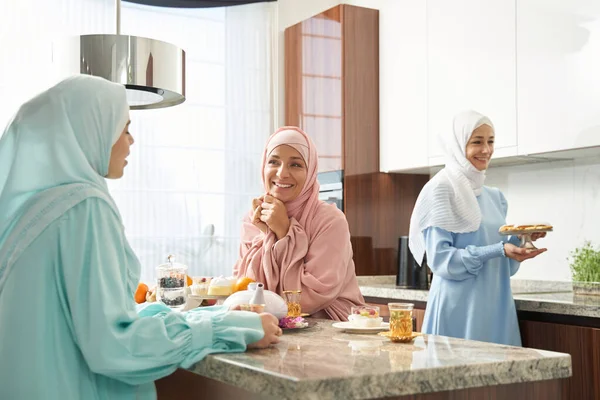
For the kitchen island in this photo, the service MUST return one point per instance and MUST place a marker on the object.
(551, 317)
(321, 362)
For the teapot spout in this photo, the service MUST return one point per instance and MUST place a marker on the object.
(259, 295)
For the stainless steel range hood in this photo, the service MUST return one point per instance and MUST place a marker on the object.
(152, 71)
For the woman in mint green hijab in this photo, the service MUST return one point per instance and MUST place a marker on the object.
(69, 328)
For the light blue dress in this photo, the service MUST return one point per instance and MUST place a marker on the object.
(470, 295)
(69, 327)
(69, 324)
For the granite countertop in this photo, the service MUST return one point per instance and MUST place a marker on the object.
(537, 296)
(321, 363)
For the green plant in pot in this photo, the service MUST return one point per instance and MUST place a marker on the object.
(585, 268)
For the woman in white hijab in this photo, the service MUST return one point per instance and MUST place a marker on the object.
(69, 326)
(455, 222)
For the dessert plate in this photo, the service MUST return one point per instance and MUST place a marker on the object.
(348, 327)
(207, 297)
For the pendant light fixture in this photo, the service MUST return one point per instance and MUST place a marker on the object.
(152, 71)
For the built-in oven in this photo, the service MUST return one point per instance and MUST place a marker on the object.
(332, 187)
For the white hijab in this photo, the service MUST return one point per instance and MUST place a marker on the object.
(449, 199)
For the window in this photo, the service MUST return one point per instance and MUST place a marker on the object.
(195, 167)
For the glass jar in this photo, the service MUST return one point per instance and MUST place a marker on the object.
(171, 283)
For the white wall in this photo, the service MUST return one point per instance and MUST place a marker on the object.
(565, 194)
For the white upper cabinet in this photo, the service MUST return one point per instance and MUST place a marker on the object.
(403, 85)
(471, 65)
(558, 69)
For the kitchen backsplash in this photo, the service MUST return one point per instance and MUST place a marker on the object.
(563, 193)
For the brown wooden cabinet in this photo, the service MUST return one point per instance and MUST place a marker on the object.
(332, 86)
(419, 314)
(332, 92)
(582, 343)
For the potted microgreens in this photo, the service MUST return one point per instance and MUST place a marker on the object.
(585, 268)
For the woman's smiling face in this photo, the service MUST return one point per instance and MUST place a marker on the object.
(285, 173)
(480, 147)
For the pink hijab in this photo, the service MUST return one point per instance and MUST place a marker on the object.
(316, 255)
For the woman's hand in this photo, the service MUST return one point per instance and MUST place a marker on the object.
(519, 253)
(257, 201)
(274, 214)
(256, 210)
(272, 331)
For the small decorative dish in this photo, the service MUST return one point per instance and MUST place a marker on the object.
(400, 339)
(294, 323)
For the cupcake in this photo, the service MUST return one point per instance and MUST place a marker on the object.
(221, 286)
(200, 286)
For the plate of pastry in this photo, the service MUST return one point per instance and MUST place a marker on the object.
(525, 231)
(525, 228)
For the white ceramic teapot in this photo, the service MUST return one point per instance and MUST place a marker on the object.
(274, 304)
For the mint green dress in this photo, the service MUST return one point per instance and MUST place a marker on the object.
(69, 326)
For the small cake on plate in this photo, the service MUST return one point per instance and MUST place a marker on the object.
(365, 317)
(200, 286)
(221, 286)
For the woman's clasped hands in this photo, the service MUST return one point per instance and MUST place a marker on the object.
(270, 213)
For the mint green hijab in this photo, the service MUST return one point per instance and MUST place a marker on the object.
(54, 154)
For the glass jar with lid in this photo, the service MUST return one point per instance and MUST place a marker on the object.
(171, 283)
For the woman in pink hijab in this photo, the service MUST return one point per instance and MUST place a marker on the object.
(291, 240)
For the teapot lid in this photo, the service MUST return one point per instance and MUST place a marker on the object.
(171, 264)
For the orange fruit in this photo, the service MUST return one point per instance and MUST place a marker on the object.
(242, 283)
(190, 281)
(140, 293)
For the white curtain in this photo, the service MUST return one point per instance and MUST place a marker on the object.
(195, 167)
(26, 33)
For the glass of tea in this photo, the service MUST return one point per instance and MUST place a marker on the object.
(401, 319)
(292, 299)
